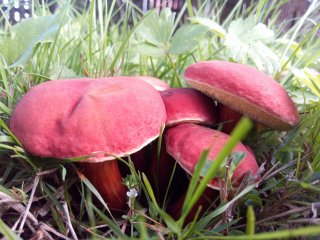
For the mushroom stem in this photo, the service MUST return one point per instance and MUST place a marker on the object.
(106, 178)
(229, 117)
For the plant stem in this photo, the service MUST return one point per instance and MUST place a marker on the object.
(190, 8)
(178, 83)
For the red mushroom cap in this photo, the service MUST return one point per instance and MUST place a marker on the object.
(78, 117)
(246, 90)
(188, 105)
(185, 143)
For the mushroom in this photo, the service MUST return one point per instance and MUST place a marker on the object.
(97, 118)
(182, 105)
(246, 90)
(188, 105)
(185, 143)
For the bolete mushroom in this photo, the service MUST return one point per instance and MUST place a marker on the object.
(246, 90)
(185, 143)
(182, 105)
(188, 105)
(98, 118)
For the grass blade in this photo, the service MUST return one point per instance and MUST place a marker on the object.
(7, 232)
(281, 234)
(125, 42)
(251, 219)
(109, 222)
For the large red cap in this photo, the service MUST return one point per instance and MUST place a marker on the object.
(246, 90)
(188, 105)
(185, 143)
(79, 117)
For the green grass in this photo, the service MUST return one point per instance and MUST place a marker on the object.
(53, 199)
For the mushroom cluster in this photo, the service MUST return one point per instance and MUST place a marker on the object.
(99, 120)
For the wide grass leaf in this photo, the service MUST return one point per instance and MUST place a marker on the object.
(18, 43)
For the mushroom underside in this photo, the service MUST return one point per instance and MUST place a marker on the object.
(241, 105)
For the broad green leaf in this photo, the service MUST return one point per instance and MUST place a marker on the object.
(157, 29)
(247, 40)
(185, 39)
(248, 31)
(212, 25)
(18, 43)
(156, 32)
(264, 58)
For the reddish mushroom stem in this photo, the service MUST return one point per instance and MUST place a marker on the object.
(106, 178)
(228, 117)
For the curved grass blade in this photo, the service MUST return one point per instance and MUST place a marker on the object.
(281, 234)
